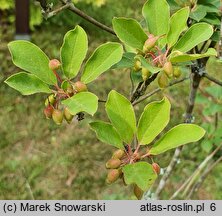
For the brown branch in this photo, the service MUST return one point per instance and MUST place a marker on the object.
(193, 91)
(80, 13)
(56, 11)
(158, 90)
(212, 79)
(102, 101)
(141, 88)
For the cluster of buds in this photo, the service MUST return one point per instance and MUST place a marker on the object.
(52, 103)
(51, 111)
(119, 159)
(157, 58)
(114, 166)
(168, 73)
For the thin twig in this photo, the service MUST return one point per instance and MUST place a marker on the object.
(195, 174)
(146, 96)
(199, 170)
(132, 84)
(80, 13)
(102, 101)
(158, 90)
(203, 46)
(27, 185)
(56, 11)
(212, 79)
(167, 173)
(141, 88)
(203, 177)
(176, 193)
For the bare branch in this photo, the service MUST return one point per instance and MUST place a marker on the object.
(80, 13)
(141, 88)
(212, 79)
(203, 177)
(203, 46)
(158, 90)
(55, 12)
(195, 174)
(168, 172)
(132, 84)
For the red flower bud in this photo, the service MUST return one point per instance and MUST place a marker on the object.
(113, 163)
(80, 86)
(156, 168)
(118, 154)
(48, 111)
(112, 176)
(54, 64)
(150, 43)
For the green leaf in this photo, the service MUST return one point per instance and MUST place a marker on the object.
(210, 8)
(82, 102)
(130, 32)
(73, 51)
(157, 16)
(127, 61)
(147, 65)
(31, 58)
(210, 2)
(216, 36)
(107, 134)
(212, 19)
(207, 145)
(179, 135)
(65, 84)
(173, 5)
(121, 114)
(153, 120)
(104, 57)
(178, 23)
(195, 35)
(177, 56)
(199, 13)
(27, 83)
(136, 77)
(141, 174)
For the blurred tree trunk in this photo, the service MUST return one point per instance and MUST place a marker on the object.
(22, 19)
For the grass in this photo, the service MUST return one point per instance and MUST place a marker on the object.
(67, 162)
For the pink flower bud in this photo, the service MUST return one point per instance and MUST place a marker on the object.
(54, 64)
(150, 43)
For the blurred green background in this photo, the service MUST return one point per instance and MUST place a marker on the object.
(40, 159)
